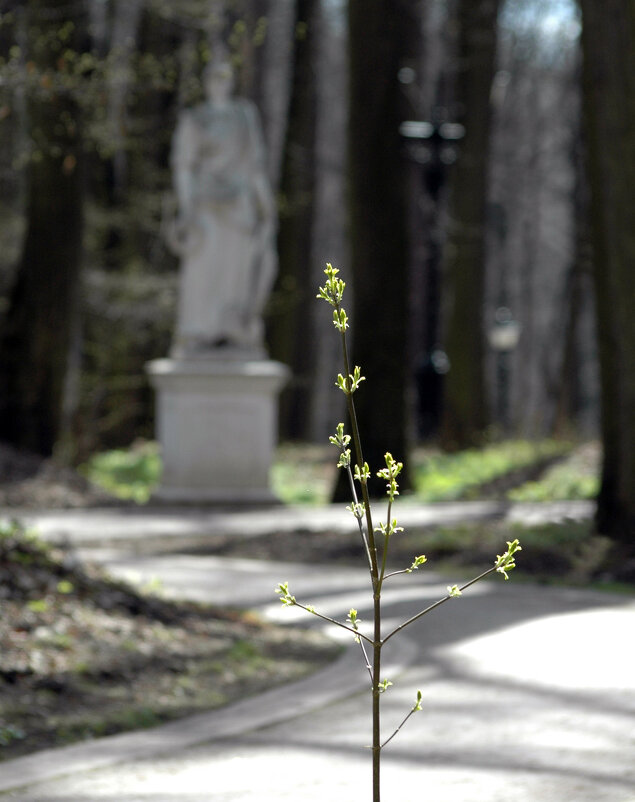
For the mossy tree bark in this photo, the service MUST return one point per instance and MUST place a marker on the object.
(36, 336)
(608, 42)
(289, 331)
(464, 411)
(384, 36)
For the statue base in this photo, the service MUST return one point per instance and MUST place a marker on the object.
(216, 422)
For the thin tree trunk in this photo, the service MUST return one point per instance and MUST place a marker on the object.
(35, 341)
(290, 333)
(464, 414)
(384, 36)
(609, 99)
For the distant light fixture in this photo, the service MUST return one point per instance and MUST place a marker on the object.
(505, 333)
(416, 129)
(406, 75)
(422, 129)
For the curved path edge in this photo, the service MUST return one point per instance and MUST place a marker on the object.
(340, 679)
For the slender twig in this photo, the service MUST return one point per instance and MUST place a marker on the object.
(366, 660)
(351, 482)
(435, 605)
(359, 455)
(355, 632)
(384, 555)
(396, 573)
(388, 740)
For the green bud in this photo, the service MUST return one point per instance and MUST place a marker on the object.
(333, 289)
(389, 529)
(420, 560)
(353, 620)
(506, 562)
(340, 319)
(356, 379)
(285, 597)
(339, 438)
(352, 383)
(358, 510)
(362, 475)
(390, 472)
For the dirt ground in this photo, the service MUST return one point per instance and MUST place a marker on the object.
(83, 656)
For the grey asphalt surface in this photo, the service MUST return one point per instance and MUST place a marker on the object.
(528, 691)
(151, 525)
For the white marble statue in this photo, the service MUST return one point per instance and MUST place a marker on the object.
(225, 229)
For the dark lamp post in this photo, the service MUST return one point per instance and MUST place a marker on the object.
(503, 338)
(433, 145)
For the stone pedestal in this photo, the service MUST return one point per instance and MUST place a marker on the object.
(217, 426)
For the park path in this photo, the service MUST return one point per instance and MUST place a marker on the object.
(528, 696)
(147, 524)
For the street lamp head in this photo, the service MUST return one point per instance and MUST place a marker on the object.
(416, 129)
(452, 131)
(505, 333)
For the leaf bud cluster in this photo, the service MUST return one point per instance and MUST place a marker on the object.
(285, 597)
(390, 473)
(506, 562)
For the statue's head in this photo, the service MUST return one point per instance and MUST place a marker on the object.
(218, 79)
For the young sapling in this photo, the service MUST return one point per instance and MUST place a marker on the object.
(375, 538)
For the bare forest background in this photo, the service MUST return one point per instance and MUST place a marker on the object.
(448, 156)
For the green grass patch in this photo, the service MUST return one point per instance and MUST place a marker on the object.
(305, 473)
(300, 474)
(449, 477)
(561, 482)
(128, 473)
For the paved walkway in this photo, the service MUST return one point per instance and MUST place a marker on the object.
(147, 525)
(528, 696)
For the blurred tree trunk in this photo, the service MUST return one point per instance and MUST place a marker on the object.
(110, 178)
(578, 285)
(290, 334)
(251, 19)
(608, 42)
(464, 410)
(35, 341)
(123, 42)
(384, 37)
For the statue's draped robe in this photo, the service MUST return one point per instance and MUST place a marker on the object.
(226, 244)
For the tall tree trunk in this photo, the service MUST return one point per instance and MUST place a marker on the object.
(252, 17)
(290, 333)
(464, 413)
(384, 37)
(35, 341)
(577, 288)
(127, 14)
(608, 42)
